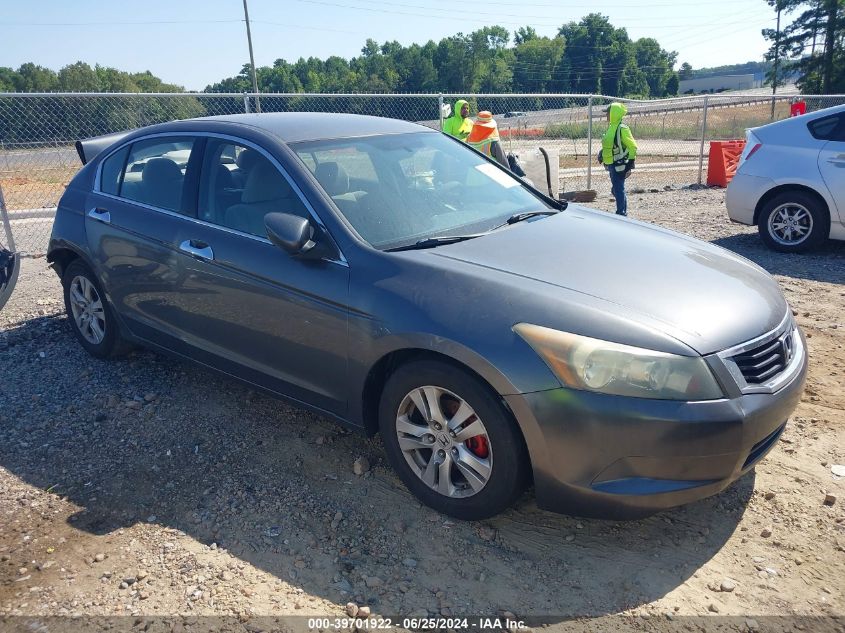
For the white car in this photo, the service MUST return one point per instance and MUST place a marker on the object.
(791, 181)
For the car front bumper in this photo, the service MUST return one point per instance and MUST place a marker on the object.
(620, 458)
(743, 194)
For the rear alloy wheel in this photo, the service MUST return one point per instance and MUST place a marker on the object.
(90, 315)
(451, 440)
(793, 222)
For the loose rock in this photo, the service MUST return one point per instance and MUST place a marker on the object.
(361, 466)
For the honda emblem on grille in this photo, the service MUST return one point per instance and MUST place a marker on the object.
(786, 344)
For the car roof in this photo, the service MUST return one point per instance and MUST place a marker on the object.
(798, 121)
(293, 127)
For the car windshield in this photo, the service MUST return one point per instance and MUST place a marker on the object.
(397, 190)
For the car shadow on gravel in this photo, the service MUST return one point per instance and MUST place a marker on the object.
(825, 264)
(151, 440)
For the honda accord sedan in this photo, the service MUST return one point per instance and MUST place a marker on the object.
(391, 278)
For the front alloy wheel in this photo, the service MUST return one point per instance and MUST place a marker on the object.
(451, 440)
(444, 441)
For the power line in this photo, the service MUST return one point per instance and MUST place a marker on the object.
(121, 23)
(494, 14)
(307, 28)
(588, 6)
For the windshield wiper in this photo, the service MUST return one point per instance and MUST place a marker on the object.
(430, 242)
(519, 217)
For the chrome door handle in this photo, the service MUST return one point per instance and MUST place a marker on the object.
(100, 214)
(198, 249)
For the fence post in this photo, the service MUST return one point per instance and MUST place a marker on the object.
(703, 135)
(246, 102)
(589, 141)
(7, 225)
(440, 108)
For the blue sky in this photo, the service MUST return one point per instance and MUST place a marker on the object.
(196, 42)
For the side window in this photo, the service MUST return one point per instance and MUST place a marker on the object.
(155, 173)
(830, 128)
(239, 186)
(112, 171)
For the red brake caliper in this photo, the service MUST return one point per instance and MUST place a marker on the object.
(478, 445)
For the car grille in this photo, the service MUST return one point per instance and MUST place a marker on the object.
(766, 361)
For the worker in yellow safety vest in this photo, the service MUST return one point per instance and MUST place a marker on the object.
(485, 138)
(459, 124)
(618, 152)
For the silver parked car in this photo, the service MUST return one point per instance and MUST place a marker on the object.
(791, 181)
(395, 280)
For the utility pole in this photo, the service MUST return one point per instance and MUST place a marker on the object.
(252, 60)
(777, 55)
(777, 52)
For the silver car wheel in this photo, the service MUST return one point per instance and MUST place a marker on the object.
(87, 308)
(444, 442)
(790, 224)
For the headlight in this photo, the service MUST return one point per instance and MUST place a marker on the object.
(591, 364)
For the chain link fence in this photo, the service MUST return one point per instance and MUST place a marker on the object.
(37, 132)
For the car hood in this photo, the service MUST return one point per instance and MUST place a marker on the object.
(703, 295)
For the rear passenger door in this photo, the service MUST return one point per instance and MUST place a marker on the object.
(135, 217)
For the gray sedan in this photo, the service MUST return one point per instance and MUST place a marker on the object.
(393, 279)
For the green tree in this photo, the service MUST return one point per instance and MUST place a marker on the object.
(32, 78)
(537, 64)
(148, 82)
(242, 82)
(817, 20)
(7, 79)
(686, 71)
(597, 54)
(524, 34)
(453, 62)
(632, 82)
(114, 80)
(78, 77)
(655, 63)
(416, 69)
(672, 85)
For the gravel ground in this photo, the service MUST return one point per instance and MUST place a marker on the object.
(146, 486)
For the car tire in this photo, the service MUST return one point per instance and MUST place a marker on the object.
(488, 464)
(91, 317)
(793, 222)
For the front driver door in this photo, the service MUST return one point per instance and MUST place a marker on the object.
(832, 168)
(832, 159)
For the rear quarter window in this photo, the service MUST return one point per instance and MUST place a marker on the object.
(829, 128)
(112, 171)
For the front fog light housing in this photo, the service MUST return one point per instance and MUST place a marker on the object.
(581, 362)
